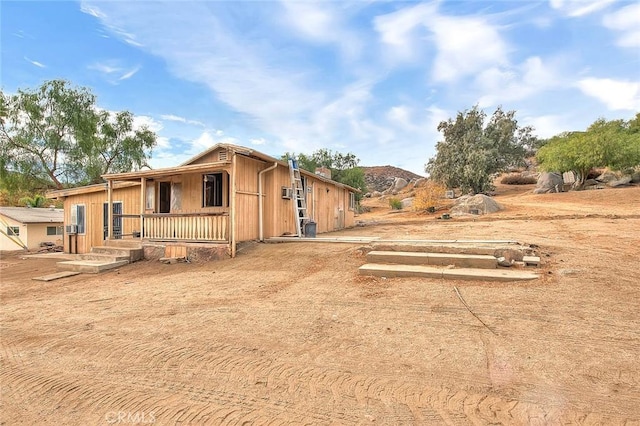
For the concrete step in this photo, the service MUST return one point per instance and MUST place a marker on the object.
(483, 248)
(124, 243)
(90, 266)
(132, 253)
(391, 271)
(56, 276)
(420, 258)
(106, 257)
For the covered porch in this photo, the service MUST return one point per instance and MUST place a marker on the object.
(186, 204)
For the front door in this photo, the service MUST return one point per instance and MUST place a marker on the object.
(117, 219)
(164, 205)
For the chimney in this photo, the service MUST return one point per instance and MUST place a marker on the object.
(324, 172)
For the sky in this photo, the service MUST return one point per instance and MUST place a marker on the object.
(373, 78)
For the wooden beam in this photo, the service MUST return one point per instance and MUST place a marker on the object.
(143, 192)
(232, 214)
(109, 210)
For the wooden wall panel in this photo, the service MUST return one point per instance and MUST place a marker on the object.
(94, 227)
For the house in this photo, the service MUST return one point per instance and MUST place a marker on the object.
(221, 197)
(26, 226)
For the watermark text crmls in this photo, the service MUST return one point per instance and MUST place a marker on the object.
(130, 417)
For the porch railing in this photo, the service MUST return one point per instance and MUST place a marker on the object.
(193, 227)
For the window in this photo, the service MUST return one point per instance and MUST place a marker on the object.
(150, 201)
(213, 191)
(78, 217)
(352, 201)
(13, 230)
(55, 230)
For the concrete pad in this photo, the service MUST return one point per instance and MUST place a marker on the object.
(56, 276)
(420, 258)
(132, 253)
(531, 260)
(453, 248)
(90, 266)
(391, 271)
(124, 243)
(103, 257)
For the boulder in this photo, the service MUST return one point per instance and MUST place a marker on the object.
(625, 180)
(376, 194)
(420, 183)
(608, 176)
(407, 203)
(635, 177)
(399, 184)
(475, 204)
(549, 183)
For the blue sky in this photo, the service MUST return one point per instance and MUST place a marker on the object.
(370, 77)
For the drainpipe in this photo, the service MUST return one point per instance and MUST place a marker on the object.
(261, 201)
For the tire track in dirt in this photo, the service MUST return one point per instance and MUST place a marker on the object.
(237, 383)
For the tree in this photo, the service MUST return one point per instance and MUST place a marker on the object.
(115, 147)
(614, 144)
(344, 167)
(472, 152)
(56, 136)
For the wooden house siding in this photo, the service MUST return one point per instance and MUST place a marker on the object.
(169, 204)
(94, 226)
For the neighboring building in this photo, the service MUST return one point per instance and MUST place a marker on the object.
(31, 226)
(225, 195)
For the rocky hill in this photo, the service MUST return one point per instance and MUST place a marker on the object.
(380, 178)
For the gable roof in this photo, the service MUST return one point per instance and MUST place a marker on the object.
(264, 157)
(188, 166)
(33, 215)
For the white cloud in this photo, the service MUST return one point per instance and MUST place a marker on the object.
(36, 63)
(171, 117)
(626, 21)
(464, 44)
(129, 73)
(143, 120)
(506, 84)
(96, 12)
(258, 141)
(322, 22)
(577, 8)
(162, 142)
(398, 30)
(615, 94)
(459, 52)
(207, 139)
(547, 126)
(114, 71)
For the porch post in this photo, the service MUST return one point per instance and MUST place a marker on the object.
(143, 192)
(109, 209)
(232, 215)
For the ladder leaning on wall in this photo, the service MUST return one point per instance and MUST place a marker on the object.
(298, 196)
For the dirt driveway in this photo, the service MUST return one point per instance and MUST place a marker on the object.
(289, 333)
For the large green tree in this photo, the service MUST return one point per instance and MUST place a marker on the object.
(614, 144)
(472, 150)
(344, 167)
(55, 136)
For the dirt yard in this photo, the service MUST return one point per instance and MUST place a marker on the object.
(291, 334)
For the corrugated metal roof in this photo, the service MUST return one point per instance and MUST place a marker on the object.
(33, 215)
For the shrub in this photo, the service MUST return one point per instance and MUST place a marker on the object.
(430, 197)
(395, 203)
(518, 179)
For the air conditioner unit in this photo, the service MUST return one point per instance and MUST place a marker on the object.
(287, 193)
(71, 229)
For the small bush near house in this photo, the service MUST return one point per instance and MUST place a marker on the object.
(517, 179)
(395, 203)
(430, 197)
